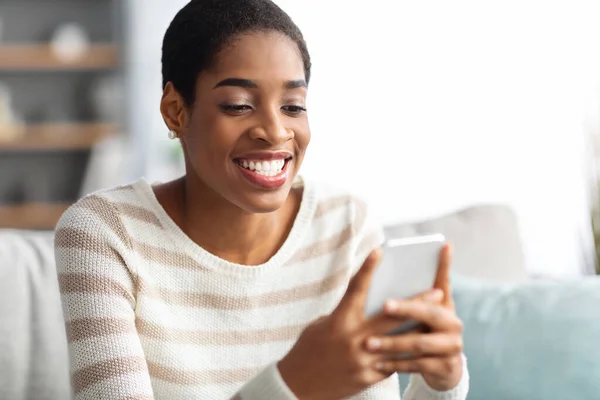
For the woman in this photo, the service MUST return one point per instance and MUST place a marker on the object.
(240, 280)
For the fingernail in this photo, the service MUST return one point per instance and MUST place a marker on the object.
(392, 305)
(435, 294)
(373, 343)
(380, 365)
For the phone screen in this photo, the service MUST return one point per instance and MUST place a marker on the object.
(408, 267)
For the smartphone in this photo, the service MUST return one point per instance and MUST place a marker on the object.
(408, 267)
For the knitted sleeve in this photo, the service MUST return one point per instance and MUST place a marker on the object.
(98, 294)
(418, 389)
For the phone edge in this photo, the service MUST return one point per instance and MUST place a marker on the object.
(395, 242)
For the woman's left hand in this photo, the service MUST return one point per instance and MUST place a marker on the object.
(437, 354)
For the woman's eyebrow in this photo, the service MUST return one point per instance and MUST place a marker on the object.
(245, 83)
(295, 84)
(250, 84)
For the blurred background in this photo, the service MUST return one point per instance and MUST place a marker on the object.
(476, 119)
(422, 108)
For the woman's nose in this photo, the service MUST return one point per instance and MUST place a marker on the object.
(272, 130)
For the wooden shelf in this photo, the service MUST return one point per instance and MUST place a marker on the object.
(41, 57)
(31, 216)
(58, 137)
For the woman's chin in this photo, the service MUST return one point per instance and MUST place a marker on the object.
(262, 194)
(265, 202)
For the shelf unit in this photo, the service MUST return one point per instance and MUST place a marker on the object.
(59, 136)
(31, 216)
(42, 160)
(39, 56)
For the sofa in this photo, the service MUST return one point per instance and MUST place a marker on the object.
(525, 339)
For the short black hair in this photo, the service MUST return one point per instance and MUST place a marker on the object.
(202, 28)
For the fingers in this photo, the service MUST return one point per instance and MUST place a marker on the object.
(442, 280)
(389, 320)
(433, 366)
(358, 288)
(435, 316)
(417, 345)
(393, 308)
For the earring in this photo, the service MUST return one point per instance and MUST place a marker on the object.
(172, 135)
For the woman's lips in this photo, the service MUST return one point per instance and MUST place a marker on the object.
(266, 174)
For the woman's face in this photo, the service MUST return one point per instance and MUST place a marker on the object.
(248, 129)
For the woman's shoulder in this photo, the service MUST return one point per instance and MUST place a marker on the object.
(331, 198)
(104, 210)
(348, 219)
(339, 206)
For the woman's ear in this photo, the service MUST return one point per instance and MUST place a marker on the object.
(174, 110)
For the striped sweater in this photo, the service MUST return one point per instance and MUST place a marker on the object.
(151, 315)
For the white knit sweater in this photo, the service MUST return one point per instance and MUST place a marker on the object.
(151, 315)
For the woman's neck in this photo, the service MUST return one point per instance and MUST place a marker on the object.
(224, 229)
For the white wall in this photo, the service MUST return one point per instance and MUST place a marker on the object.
(426, 107)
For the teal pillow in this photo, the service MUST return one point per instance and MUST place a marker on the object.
(538, 340)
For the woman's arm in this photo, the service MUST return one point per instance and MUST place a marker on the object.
(98, 283)
(98, 295)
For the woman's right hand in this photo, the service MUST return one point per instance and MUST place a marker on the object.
(329, 360)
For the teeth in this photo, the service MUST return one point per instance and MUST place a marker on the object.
(266, 168)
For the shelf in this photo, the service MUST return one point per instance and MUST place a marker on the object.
(58, 137)
(41, 57)
(31, 216)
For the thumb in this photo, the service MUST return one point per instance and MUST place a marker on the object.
(442, 280)
(358, 288)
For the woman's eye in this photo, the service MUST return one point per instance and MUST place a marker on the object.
(294, 109)
(235, 108)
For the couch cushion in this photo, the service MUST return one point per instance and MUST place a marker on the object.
(486, 241)
(533, 341)
(33, 347)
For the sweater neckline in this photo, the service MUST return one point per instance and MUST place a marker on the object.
(210, 261)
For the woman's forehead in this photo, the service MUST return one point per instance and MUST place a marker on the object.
(260, 56)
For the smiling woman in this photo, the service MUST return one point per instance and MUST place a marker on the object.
(249, 105)
(240, 279)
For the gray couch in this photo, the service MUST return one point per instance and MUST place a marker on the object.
(33, 345)
(33, 349)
